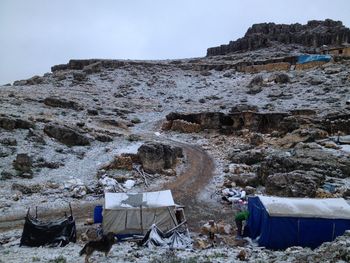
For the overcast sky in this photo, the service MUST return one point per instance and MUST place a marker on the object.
(36, 34)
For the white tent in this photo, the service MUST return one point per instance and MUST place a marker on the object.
(134, 213)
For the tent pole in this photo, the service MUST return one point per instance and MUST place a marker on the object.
(71, 211)
(171, 215)
(36, 212)
(141, 219)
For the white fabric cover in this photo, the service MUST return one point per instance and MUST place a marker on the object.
(128, 221)
(148, 199)
(332, 208)
(122, 212)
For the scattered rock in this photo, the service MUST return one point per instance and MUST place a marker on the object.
(248, 157)
(256, 139)
(66, 135)
(5, 174)
(120, 162)
(256, 81)
(244, 108)
(92, 112)
(26, 189)
(62, 103)
(245, 179)
(281, 78)
(23, 163)
(205, 73)
(79, 76)
(184, 126)
(103, 138)
(8, 141)
(8, 123)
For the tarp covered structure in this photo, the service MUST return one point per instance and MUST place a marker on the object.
(302, 59)
(172, 239)
(280, 222)
(135, 213)
(37, 233)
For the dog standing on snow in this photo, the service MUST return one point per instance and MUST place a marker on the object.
(104, 245)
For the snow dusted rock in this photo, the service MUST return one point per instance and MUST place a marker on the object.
(66, 135)
(293, 184)
(27, 189)
(23, 163)
(156, 157)
(129, 184)
(61, 103)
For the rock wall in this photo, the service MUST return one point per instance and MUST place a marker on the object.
(313, 34)
(254, 121)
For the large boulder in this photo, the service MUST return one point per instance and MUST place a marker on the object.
(155, 157)
(248, 157)
(9, 123)
(61, 103)
(66, 135)
(307, 157)
(294, 184)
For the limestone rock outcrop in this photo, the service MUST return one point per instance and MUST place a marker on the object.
(314, 34)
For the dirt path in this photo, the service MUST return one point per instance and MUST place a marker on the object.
(191, 182)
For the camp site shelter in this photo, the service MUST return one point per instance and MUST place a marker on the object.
(343, 50)
(134, 213)
(280, 222)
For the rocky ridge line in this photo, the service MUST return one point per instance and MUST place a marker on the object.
(314, 34)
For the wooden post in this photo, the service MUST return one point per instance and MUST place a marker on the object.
(141, 219)
(71, 211)
(174, 220)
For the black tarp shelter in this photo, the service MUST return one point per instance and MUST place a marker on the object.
(58, 232)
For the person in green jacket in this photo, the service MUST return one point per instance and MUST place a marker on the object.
(239, 218)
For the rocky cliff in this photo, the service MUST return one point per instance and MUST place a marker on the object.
(313, 34)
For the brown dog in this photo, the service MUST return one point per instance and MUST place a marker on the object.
(104, 245)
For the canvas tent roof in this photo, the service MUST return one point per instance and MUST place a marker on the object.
(134, 213)
(115, 201)
(332, 208)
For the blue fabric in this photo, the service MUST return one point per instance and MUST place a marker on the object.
(283, 232)
(98, 214)
(302, 59)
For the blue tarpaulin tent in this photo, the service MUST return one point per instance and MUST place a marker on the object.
(278, 223)
(302, 59)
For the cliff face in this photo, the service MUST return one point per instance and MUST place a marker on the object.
(313, 34)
